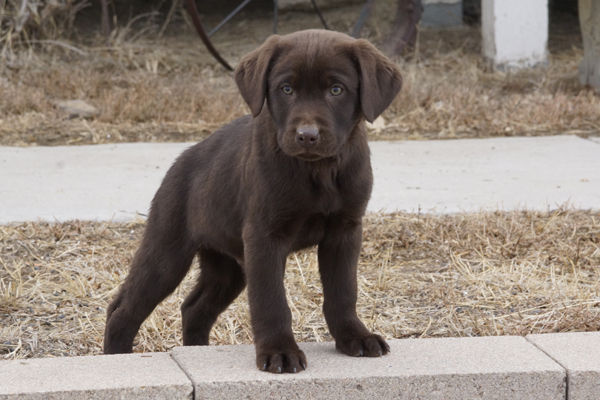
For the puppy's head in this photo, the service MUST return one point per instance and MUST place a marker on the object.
(318, 86)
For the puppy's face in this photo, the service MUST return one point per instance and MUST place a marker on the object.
(313, 98)
(318, 86)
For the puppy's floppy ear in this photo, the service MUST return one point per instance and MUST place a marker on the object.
(380, 79)
(251, 74)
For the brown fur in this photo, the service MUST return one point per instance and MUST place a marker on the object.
(297, 174)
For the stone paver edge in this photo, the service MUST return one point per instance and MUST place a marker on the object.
(189, 377)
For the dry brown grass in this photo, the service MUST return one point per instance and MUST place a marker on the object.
(502, 273)
(450, 96)
(172, 90)
(136, 104)
(23, 23)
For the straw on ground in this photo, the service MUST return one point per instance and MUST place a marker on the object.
(172, 91)
(500, 273)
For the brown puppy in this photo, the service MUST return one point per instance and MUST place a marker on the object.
(296, 175)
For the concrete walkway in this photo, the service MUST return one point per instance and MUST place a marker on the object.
(544, 367)
(115, 182)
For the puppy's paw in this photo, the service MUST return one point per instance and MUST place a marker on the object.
(366, 346)
(290, 361)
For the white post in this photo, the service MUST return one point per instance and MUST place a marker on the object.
(515, 32)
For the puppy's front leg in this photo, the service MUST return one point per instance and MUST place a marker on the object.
(264, 263)
(338, 258)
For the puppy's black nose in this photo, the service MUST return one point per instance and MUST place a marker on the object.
(307, 136)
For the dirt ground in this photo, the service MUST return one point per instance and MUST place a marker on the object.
(170, 88)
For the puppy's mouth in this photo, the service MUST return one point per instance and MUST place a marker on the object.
(309, 156)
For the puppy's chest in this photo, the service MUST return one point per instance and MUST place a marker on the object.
(325, 193)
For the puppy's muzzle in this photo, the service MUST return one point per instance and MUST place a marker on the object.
(307, 136)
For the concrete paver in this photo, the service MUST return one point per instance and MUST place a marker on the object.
(105, 182)
(501, 173)
(449, 368)
(579, 354)
(128, 376)
(82, 182)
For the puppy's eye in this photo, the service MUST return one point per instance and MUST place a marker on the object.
(287, 89)
(336, 90)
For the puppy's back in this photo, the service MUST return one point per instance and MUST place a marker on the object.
(202, 188)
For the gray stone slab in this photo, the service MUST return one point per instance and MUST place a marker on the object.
(105, 182)
(473, 174)
(306, 5)
(450, 368)
(101, 182)
(128, 376)
(579, 354)
(442, 14)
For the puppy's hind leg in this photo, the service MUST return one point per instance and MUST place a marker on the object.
(221, 281)
(158, 267)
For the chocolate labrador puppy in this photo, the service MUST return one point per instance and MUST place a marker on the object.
(295, 174)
